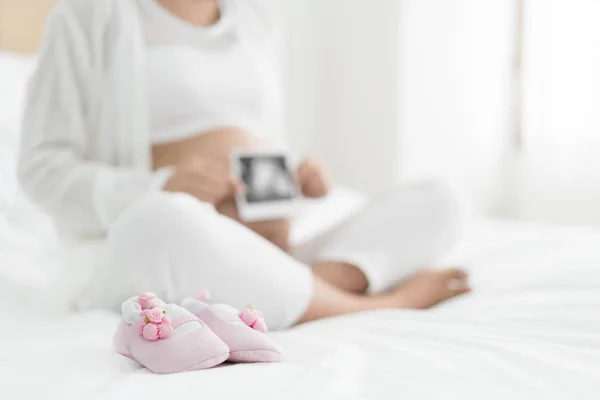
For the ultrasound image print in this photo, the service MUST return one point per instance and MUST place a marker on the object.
(267, 178)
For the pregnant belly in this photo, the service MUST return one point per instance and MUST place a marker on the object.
(218, 145)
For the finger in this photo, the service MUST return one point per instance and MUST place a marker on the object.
(316, 188)
(214, 178)
(234, 186)
(455, 273)
(306, 167)
(219, 190)
(239, 187)
(457, 280)
(199, 194)
(457, 286)
(304, 175)
(459, 291)
(206, 191)
(206, 174)
(312, 165)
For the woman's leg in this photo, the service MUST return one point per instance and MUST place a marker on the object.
(391, 240)
(421, 291)
(343, 275)
(173, 245)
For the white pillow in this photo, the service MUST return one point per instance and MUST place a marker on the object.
(28, 242)
(15, 71)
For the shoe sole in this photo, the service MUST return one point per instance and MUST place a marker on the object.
(211, 362)
(252, 356)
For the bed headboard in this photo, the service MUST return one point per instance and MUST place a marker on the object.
(22, 23)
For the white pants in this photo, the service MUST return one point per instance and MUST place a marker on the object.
(174, 245)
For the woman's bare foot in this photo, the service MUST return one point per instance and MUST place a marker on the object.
(429, 288)
(423, 290)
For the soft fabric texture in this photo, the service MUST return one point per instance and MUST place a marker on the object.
(86, 159)
(245, 343)
(174, 245)
(167, 339)
(529, 331)
(201, 79)
(85, 151)
(15, 71)
(86, 147)
(27, 237)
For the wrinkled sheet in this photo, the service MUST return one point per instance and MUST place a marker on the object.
(530, 330)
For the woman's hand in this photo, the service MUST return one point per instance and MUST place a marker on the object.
(312, 179)
(206, 179)
(276, 232)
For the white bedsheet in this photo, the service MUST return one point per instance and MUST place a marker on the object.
(531, 330)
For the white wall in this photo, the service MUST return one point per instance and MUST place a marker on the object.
(456, 71)
(342, 67)
(388, 90)
(300, 68)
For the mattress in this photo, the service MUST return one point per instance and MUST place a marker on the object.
(530, 330)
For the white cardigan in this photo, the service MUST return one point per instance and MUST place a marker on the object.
(85, 150)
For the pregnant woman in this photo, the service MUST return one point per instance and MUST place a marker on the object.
(130, 121)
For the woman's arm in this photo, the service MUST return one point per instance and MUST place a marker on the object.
(82, 196)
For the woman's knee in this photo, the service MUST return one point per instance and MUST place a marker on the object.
(159, 213)
(154, 225)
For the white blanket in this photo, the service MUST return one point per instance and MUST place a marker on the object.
(530, 330)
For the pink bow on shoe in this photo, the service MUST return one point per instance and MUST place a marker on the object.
(254, 319)
(154, 324)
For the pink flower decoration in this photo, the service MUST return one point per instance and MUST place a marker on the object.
(154, 324)
(260, 326)
(203, 296)
(154, 316)
(165, 331)
(150, 332)
(148, 300)
(254, 319)
(248, 316)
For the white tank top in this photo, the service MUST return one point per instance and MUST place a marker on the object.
(204, 78)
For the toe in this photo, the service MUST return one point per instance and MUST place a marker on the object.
(457, 280)
(457, 273)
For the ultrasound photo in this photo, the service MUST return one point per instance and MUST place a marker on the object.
(267, 178)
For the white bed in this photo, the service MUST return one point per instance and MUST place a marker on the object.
(530, 330)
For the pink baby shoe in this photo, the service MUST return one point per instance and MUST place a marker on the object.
(244, 332)
(166, 338)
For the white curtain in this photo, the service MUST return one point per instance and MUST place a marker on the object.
(413, 89)
(458, 91)
(455, 88)
(561, 86)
